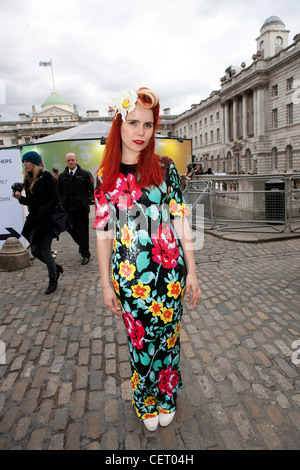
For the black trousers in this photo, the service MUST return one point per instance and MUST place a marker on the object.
(41, 249)
(80, 231)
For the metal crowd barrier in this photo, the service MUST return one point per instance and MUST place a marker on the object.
(246, 203)
(294, 203)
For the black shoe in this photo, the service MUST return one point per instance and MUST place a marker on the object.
(85, 260)
(52, 286)
(59, 270)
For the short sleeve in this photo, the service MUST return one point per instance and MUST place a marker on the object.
(177, 204)
(104, 210)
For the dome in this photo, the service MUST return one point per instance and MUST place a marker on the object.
(55, 98)
(272, 20)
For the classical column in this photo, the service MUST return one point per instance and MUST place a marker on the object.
(255, 112)
(245, 116)
(226, 122)
(260, 110)
(234, 121)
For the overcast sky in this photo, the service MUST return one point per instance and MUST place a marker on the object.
(180, 48)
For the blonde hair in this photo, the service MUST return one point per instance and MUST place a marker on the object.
(32, 176)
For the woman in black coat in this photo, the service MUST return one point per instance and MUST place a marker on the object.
(41, 197)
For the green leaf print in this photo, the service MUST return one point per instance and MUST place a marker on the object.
(153, 212)
(155, 195)
(144, 358)
(144, 237)
(147, 277)
(142, 261)
(157, 365)
(151, 349)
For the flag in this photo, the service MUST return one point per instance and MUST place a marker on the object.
(46, 64)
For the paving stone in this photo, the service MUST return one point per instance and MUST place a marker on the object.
(66, 383)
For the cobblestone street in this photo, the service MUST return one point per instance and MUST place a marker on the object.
(66, 380)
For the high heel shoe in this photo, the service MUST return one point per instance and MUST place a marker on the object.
(166, 418)
(59, 270)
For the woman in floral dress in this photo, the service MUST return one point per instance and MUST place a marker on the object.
(144, 241)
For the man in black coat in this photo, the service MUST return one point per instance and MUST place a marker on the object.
(75, 188)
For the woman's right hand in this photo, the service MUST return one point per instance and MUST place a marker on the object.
(111, 301)
(16, 194)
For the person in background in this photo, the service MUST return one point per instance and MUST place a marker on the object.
(55, 174)
(144, 244)
(75, 186)
(41, 197)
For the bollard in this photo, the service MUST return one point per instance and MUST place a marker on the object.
(13, 255)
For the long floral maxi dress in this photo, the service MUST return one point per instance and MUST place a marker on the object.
(148, 274)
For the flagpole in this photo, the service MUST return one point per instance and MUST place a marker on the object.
(52, 76)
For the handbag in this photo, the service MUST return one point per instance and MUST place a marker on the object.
(60, 221)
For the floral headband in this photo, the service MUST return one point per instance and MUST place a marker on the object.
(127, 99)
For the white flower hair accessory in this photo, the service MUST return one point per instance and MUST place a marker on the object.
(125, 103)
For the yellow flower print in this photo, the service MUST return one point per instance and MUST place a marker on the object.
(116, 285)
(135, 381)
(127, 235)
(174, 289)
(178, 209)
(182, 295)
(150, 401)
(115, 244)
(127, 270)
(156, 308)
(171, 341)
(140, 291)
(167, 314)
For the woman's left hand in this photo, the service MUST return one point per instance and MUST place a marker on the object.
(192, 287)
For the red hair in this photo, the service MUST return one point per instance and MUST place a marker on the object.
(149, 171)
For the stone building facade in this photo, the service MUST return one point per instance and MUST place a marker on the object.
(252, 124)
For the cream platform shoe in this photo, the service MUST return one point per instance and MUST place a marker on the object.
(151, 423)
(166, 418)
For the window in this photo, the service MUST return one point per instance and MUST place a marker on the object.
(218, 135)
(211, 119)
(275, 118)
(201, 139)
(275, 158)
(211, 136)
(249, 165)
(1, 142)
(289, 157)
(218, 116)
(206, 138)
(289, 83)
(275, 90)
(205, 121)
(289, 113)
